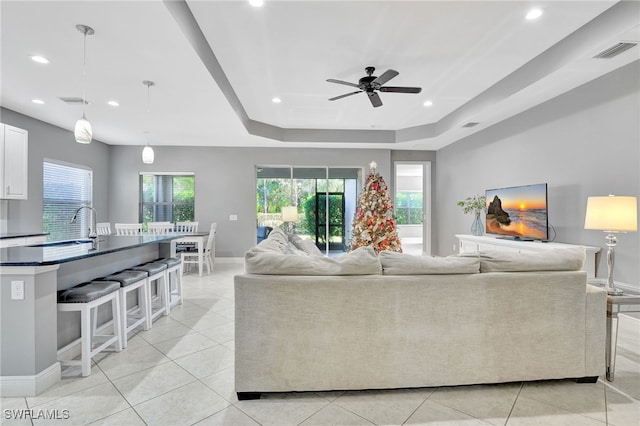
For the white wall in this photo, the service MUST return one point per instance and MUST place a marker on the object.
(585, 142)
(225, 182)
(48, 141)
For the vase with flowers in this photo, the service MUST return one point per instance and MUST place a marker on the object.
(476, 205)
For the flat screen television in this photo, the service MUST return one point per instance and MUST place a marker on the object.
(518, 212)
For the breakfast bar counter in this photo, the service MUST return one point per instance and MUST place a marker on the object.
(30, 276)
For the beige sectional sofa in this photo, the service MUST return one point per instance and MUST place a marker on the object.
(305, 322)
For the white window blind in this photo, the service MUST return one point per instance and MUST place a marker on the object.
(65, 188)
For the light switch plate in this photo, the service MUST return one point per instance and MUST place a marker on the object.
(233, 217)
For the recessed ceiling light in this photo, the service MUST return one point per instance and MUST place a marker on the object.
(113, 103)
(534, 14)
(39, 59)
(37, 101)
(428, 103)
(256, 3)
(276, 100)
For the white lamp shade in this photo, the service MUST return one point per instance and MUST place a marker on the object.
(147, 155)
(83, 131)
(290, 214)
(612, 213)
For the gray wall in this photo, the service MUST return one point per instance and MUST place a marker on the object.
(585, 142)
(225, 182)
(47, 141)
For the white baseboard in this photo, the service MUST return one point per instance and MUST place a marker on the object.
(14, 386)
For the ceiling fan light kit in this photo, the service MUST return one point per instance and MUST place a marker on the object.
(372, 84)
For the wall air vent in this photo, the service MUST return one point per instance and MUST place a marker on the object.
(470, 124)
(615, 50)
(73, 101)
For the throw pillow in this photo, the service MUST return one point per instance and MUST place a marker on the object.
(394, 263)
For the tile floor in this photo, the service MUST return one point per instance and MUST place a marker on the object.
(181, 373)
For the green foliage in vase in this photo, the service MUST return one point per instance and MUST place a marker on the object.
(474, 204)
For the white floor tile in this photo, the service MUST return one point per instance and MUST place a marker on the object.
(529, 412)
(127, 417)
(283, 409)
(185, 345)
(334, 415)
(207, 361)
(389, 407)
(583, 398)
(491, 403)
(183, 406)
(132, 360)
(87, 406)
(434, 414)
(150, 383)
(229, 416)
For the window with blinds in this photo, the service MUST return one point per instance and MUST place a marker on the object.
(167, 198)
(65, 188)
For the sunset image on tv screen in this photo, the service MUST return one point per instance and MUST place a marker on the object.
(519, 211)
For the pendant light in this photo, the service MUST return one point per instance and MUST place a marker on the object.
(147, 151)
(82, 130)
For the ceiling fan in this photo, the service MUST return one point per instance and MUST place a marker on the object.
(370, 83)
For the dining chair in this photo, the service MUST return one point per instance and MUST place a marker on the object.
(159, 228)
(186, 227)
(128, 228)
(103, 228)
(191, 255)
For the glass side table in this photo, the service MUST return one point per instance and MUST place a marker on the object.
(615, 306)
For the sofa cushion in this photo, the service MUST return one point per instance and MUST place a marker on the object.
(293, 250)
(270, 245)
(564, 259)
(308, 247)
(394, 263)
(362, 261)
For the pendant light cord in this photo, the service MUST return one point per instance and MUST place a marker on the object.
(84, 73)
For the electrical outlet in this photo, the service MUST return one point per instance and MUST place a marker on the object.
(17, 290)
(233, 217)
(454, 248)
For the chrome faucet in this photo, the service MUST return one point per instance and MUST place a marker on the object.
(93, 235)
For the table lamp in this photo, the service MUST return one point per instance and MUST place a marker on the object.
(612, 214)
(290, 215)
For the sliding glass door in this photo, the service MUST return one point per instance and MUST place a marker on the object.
(315, 191)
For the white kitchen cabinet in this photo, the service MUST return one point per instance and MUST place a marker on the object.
(13, 161)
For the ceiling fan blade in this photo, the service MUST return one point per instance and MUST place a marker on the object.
(344, 96)
(400, 89)
(375, 99)
(346, 83)
(386, 76)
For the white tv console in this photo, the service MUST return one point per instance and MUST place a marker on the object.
(472, 244)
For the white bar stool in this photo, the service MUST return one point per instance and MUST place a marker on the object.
(84, 298)
(156, 272)
(174, 279)
(139, 313)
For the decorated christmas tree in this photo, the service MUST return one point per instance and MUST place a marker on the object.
(373, 223)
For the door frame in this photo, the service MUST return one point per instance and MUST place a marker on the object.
(426, 199)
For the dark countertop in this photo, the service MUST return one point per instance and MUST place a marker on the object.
(21, 234)
(53, 253)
